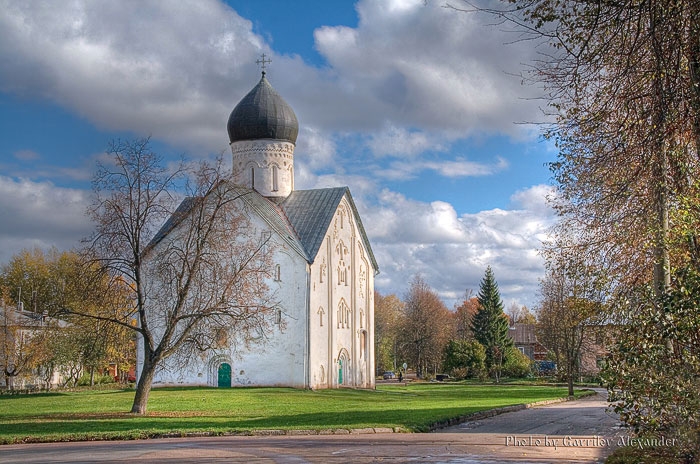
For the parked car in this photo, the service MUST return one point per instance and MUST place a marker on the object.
(545, 367)
(388, 375)
(442, 377)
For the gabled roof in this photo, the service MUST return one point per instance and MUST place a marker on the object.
(523, 334)
(267, 210)
(302, 219)
(310, 213)
(180, 213)
(273, 216)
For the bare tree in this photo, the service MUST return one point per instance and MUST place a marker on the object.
(426, 327)
(201, 281)
(573, 296)
(520, 314)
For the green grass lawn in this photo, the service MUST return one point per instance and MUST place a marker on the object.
(102, 414)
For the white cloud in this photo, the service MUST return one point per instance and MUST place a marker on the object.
(452, 252)
(175, 71)
(422, 65)
(40, 214)
(315, 148)
(171, 70)
(532, 198)
(26, 155)
(399, 141)
(402, 170)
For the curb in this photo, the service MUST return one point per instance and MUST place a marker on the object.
(282, 432)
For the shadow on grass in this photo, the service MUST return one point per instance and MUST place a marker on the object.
(213, 410)
(56, 425)
(24, 397)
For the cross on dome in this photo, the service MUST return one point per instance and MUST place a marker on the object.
(262, 62)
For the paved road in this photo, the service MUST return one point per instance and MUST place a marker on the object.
(509, 437)
(587, 416)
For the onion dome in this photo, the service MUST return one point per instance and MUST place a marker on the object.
(263, 114)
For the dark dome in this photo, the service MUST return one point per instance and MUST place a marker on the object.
(263, 114)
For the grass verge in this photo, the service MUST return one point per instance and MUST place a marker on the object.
(100, 415)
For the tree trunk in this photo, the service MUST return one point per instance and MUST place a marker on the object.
(570, 374)
(662, 272)
(92, 376)
(143, 387)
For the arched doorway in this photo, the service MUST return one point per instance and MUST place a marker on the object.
(224, 379)
(343, 368)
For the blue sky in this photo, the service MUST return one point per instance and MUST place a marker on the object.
(416, 107)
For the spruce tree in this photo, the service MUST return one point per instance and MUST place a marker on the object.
(490, 324)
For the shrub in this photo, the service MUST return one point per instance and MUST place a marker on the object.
(465, 358)
(99, 379)
(517, 365)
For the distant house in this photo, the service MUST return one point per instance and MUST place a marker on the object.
(594, 348)
(23, 347)
(525, 339)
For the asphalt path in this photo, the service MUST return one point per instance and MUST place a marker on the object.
(576, 431)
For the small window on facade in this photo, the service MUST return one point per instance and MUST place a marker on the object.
(252, 177)
(278, 316)
(278, 273)
(363, 344)
(275, 177)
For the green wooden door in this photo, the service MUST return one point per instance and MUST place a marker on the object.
(340, 372)
(224, 375)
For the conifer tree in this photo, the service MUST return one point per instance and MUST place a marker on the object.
(490, 324)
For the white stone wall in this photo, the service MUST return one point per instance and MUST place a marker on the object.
(342, 316)
(264, 165)
(271, 359)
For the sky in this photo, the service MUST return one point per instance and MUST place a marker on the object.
(418, 108)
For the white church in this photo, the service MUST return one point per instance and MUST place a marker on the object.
(325, 268)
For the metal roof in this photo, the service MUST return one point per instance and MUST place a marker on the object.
(263, 114)
(265, 209)
(302, 219)
(310, 213)
(180, 213)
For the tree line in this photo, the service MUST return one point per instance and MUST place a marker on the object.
(470, 342)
